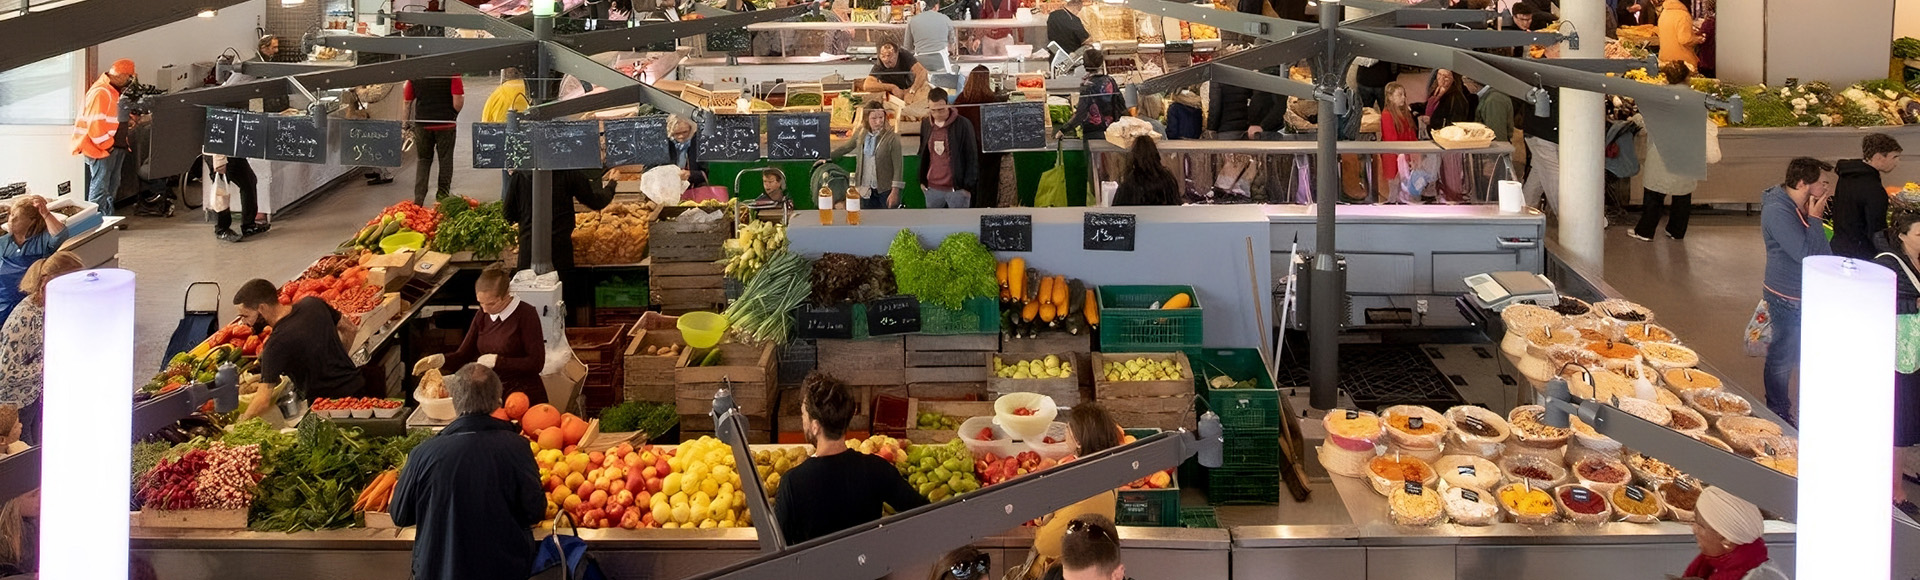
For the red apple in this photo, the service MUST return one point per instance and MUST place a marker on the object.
(595, 515)
(655, 484)
(646, 520)
(645, 498)
(598, 499)
(633, 461)
(597, 458)
(631, 520)
(636, 485)
(585, 490)
(623, 497)
(661, 468)
(614, 511)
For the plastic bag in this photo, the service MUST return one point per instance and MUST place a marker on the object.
(218, 191)
(1906, 344)
(1122, 132)
(1759, 330)
(1052, 191)
(663, 185)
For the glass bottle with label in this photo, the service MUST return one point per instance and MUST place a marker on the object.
(825, 201)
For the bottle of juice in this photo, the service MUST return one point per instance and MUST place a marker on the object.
(825, 201)
(853, 207)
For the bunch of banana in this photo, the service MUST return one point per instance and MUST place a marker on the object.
(370, 236)
(757, 242)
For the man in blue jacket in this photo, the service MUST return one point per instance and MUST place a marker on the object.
(473, 490)
(1791, 226)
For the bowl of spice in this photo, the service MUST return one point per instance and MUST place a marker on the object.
(1614, 354)
(1582, 505)
(1687, 421)
(1521, 318)
(1716, 442)
(1716, 404)
(1529, 428)
(1412, 504)
(1526, 504)
(1684, 380)
(1353, 430)
(1388, 472)
(1623, 311)
(1415, 427)
(1570, 306)
(1745, 434)
(1645, 409)
(1471, 506)
(1632, 503)
(1668, 355)
(1477, 431)
(1680, 496)
(1533, 470)
(1601, 473)
(1591, 439)
(1651, 471)
(1468, 471)
(1542, 338)
(1646, 332)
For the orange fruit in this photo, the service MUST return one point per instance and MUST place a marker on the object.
(501, 414)
(551, 438)
(516, 406)
(539, 417)
(574, 428)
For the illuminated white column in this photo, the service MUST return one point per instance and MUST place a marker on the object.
(87, 426)
(1583, 148)
(1846, 419)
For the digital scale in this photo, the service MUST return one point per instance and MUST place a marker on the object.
(1497, 290)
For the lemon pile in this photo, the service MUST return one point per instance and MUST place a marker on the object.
(703, 491)
(1142, 369)
(772, 464)
(1047, 368)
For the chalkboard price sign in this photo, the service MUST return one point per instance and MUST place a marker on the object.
(1109, 231)
(1007, 232)
(566, 144)
(798, 136)
(370, 143)
(731, 138)
(1009, 126)
(893, 315)
(637, 141)
(223, 128)
(494, 147)
(831, 321)
(299, 139)
(251, 136)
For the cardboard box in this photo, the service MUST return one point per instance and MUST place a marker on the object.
(563, 384)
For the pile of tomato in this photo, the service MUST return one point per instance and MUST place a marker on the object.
(412, 216)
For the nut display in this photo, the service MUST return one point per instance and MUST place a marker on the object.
(1717, 404)
(1651, 470)
(1531, 431)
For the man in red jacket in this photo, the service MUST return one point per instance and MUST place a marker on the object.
(95, 130)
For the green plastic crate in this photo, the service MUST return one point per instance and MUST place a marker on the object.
(1148, 507)
(1252, 449)
(1128, 323)
(978, 316)
(620, 293)
(1255, 408)
(1243, 487)
(1199, 517)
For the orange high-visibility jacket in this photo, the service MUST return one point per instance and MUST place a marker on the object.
(99, 120)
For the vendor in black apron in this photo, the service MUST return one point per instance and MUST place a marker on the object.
(309, 343)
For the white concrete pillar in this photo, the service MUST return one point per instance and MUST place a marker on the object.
(1582, 211)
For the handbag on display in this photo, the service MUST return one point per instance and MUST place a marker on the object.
(1906, 340)
(1759, 330)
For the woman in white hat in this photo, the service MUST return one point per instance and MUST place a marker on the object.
(1728, 531)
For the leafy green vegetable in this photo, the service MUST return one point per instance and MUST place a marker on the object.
(959, 269)
(1906, 47)
(764, 310)
(484, 230)
(653, 418)
(147, 455)
(311, 484)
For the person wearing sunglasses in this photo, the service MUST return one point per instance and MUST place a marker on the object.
(1090, 429)
(1091, 550)
(836, 488)
(965, 563)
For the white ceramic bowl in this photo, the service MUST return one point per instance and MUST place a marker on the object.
(440, 409)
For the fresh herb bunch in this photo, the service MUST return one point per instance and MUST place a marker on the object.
(1906, 47)
(845, 277)
(652, 418)
(765, 308)
(959, 269)
(483, 230)
(312, 483)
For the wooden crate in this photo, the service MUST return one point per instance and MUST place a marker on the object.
(751, 372)
(1049, 342)
(970, 391)
(868, 362)
(198, 519)
(961, 410)
(599, 344)
(1162, 413)
(972, 374)
(754, 437)
(948, 358)
(704, 422)
(671, 240)
(1065, 391)
(1104, 390)
(941, 342)
(650, 377)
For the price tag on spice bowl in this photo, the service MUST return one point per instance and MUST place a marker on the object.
(1468, 470)
(1636, 493)
(893, 315)
(1470, 495)
(1414, 488)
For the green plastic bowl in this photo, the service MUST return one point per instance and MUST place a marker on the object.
(702, 329)
(403, 241)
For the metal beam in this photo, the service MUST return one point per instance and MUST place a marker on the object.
(1285, 52)
(1470, 39)
(565, 61)
(178, 122)
(1440, 16)
(1676, 117)
(875, 549)
(37, 36)
(269, 70)
(1398, 50)
(647, 34)
(1609, 65)
(1266, 27)
(621, 97)
(412, 45)
(497, 27)
(1262, 82)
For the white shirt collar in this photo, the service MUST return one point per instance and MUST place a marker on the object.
(505, 312)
